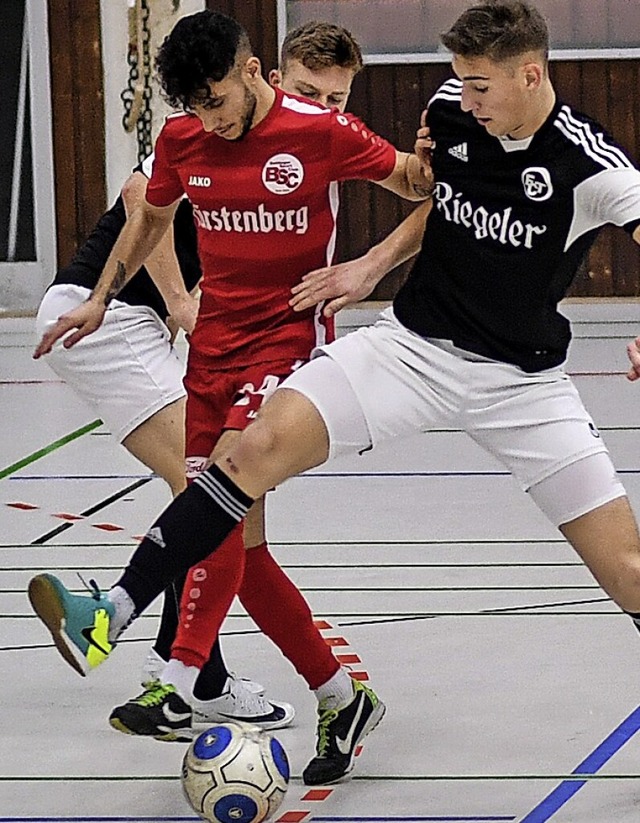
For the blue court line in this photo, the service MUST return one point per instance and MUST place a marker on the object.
(590, 765)
(310, 475)
(357, 819)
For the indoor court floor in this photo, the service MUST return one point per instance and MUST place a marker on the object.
(512, 683)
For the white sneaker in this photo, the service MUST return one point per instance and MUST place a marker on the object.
(153, 667)
(237, 703)
(250, 685)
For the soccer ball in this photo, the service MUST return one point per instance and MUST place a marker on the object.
(234, 773)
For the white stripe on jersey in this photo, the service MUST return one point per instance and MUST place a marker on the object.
(610, 196)
(334, 205)
(592, 143)
(302, 107)
(451, 90)
(147, 164)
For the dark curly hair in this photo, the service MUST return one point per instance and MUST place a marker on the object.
(200, 48)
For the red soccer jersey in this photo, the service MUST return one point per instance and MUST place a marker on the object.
(265, 209)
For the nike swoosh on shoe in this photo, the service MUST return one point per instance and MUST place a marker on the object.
(87, 633)
(344, 744)
(175, 717)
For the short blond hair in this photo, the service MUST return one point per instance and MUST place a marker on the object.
(321, 46)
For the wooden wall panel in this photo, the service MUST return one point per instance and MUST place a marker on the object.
(259, 18)
(78, 120)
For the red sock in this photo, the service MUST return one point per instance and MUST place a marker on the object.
(207, 595)
(282, 613)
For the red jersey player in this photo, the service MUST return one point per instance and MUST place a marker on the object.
(262, 169)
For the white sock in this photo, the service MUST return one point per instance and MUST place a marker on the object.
(181, 676)
(337, 692)
(124, 613)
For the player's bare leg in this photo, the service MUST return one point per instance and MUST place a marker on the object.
(288, 437)
(608, 542)
(159, 444)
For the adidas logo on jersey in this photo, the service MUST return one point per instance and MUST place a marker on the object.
(460, 152)
(155, 535)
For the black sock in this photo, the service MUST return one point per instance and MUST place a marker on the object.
(212, 677)
(169, 620)
(194, 524)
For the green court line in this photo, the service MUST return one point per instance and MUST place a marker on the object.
(68, 438)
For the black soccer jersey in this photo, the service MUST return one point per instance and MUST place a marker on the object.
(88, 263)
(511, 222)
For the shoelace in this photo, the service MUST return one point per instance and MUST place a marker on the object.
(92, 587)
(96, 593)
(154, 694)
(327, 716)
(245, 701)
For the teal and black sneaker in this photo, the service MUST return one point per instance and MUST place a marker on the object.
(79, 624)
(339, 732)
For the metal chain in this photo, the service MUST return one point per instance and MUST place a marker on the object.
(136, 98)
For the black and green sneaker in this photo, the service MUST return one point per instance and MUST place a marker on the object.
(158, 712)
(339, 732)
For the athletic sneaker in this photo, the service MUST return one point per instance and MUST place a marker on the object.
(158, 712)
(153, 667)
(79, 625)
(238, 703)
(339, 732)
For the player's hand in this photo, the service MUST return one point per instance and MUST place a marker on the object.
(341, 285)
(183, 313)
(424, 145)
(633, 352)
(85, 318)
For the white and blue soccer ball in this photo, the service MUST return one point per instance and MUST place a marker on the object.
(235, 773)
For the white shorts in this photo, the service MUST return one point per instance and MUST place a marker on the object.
(127, 369)
(535, 424)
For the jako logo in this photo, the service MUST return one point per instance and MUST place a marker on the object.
(537, 183)
(198, 181)
(282, 174)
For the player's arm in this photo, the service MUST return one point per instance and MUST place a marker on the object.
(162, 264)
(409, 178)
(412, 177)
(633, 348)
(141, 233)
(350, 282)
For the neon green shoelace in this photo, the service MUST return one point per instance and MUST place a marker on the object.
(155, 694)
(326, 718)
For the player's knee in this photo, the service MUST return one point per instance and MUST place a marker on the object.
(625, 591)
(260, 443)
